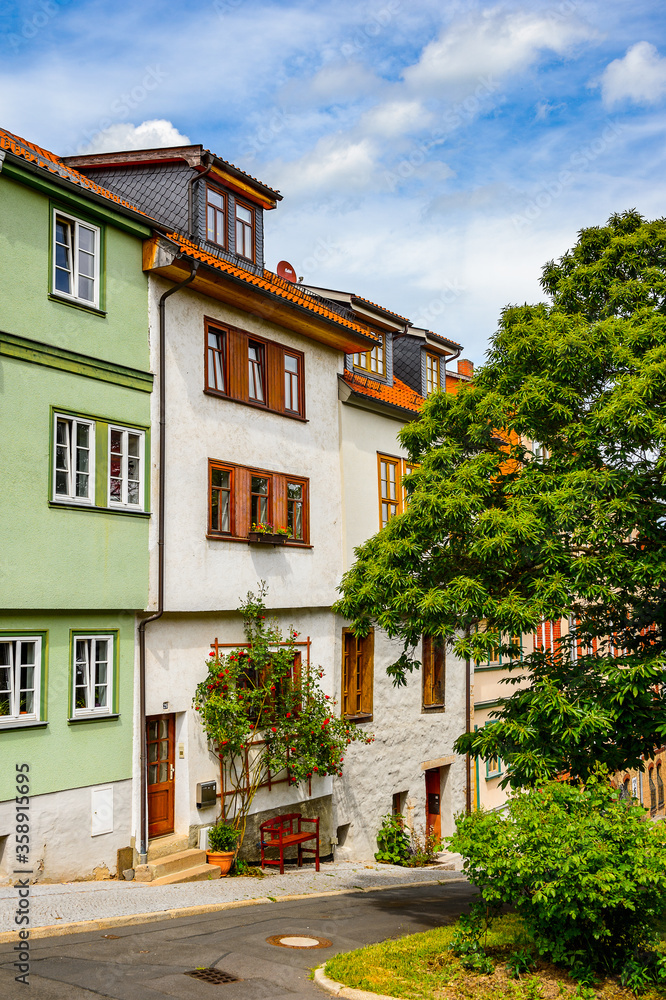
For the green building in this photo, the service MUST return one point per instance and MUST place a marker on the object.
(75, 466)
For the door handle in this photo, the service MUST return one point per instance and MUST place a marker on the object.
(172, 771)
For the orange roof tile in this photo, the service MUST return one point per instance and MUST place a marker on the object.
(397, 394)
(381, 308)
(272, 283)
(49, 161)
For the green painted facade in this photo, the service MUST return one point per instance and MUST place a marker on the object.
(69, 569)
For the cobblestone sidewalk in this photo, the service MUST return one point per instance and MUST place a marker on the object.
(53, 905)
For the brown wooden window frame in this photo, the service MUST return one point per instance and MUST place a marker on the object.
(357, 676)
(403, 468)
(433, 668)
(257, 371)
(224, 210)
(217, 331)
(433, 360)
(236, 370)
(238, 203)
(240, 512)
(373, 362)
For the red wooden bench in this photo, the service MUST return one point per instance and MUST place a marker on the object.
(286, 831)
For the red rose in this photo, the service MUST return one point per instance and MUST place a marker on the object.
(289, 715)
(273, 729)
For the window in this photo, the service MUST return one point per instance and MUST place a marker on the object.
(493, 767)
(221, 487)
(20, 672)
(126, 462)
(357, 671)
(93, 675)
(244, 231)
(389, 494)
(292, 383)
(434, 672)
(239, 497)
(256, 377)
(260, 500)
(76, 254)
(253, 370)
(660, 788)
(216, 228)
(433, 383)
(372, 361)
(653, 791)
(392, 496)
(216, 360)
(295, 509)
(74, 465)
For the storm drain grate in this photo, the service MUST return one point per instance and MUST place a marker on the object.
(213, 976)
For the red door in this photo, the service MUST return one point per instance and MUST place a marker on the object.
(160, 734)
(433, 799)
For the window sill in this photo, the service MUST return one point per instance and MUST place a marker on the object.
(23, 724)
(95, 310)
(432, 709)
(123, 511)
(364, 717)
(93, 717)
(266, 545)
(256, 406)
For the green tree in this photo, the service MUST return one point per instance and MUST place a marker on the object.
(264, 714)
(501, 533)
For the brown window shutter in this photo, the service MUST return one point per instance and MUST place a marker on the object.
(279, 501)
(367, 672)
(242, 497)
(238, 365)
(275, 376)
(348, 645)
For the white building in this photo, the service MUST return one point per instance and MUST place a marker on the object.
(280, 404)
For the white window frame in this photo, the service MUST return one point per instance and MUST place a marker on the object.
(70, 496)
(74, 296)
(124, 503)
(107, 709)
(16, 717)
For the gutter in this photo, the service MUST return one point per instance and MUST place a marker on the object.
(161, 532)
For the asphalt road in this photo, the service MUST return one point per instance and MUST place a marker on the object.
(148, 962)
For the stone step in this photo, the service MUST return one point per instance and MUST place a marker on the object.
(170, 844)
(170, 864)
(201, 873)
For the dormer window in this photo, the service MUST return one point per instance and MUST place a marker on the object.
(216, 212)
(433, 382)
(372, 361)
(244, 231)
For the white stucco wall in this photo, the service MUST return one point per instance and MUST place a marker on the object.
(62, 847)
(209, 575)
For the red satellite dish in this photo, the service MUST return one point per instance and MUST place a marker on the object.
(286, 271)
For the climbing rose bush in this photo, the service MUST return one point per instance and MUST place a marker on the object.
(263, 712)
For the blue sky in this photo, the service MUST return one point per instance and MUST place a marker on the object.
(432, 156)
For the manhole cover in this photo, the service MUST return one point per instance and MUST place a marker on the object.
(298, 941)
(213, 976)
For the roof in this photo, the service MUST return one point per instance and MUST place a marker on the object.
(193, 155)
(398, 394)
(43, 158)
(273, 284)
(420, 331)
(352, 297)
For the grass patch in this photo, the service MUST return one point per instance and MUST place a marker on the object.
(421, 967)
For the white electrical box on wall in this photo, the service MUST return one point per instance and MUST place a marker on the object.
(101, 802)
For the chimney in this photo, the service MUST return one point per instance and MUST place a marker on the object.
(466, 368)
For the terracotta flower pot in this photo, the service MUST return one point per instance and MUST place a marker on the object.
(223, 860)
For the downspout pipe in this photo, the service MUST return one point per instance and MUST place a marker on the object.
(190, 197)
(161, 533)
(468, 726)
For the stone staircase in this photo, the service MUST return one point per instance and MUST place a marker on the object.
(170, 860)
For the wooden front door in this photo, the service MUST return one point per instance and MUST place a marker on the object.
(160, 736)
(433, 802)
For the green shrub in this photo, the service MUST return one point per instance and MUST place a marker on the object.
(222, 837)
(393, 841)
(584, 869)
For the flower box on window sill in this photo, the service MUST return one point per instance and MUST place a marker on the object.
(266, 538)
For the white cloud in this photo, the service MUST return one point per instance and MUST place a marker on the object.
(640, 76)
(492, 43)
(337, 163)
(148, 135)
(395, 118)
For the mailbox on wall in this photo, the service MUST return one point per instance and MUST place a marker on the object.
(206, 794)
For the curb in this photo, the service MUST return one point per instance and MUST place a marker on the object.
(340, 990)
(153, 916)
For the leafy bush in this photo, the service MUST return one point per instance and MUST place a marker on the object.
(423, 848)
(583, 868)
(393, 841)
(222, 837)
